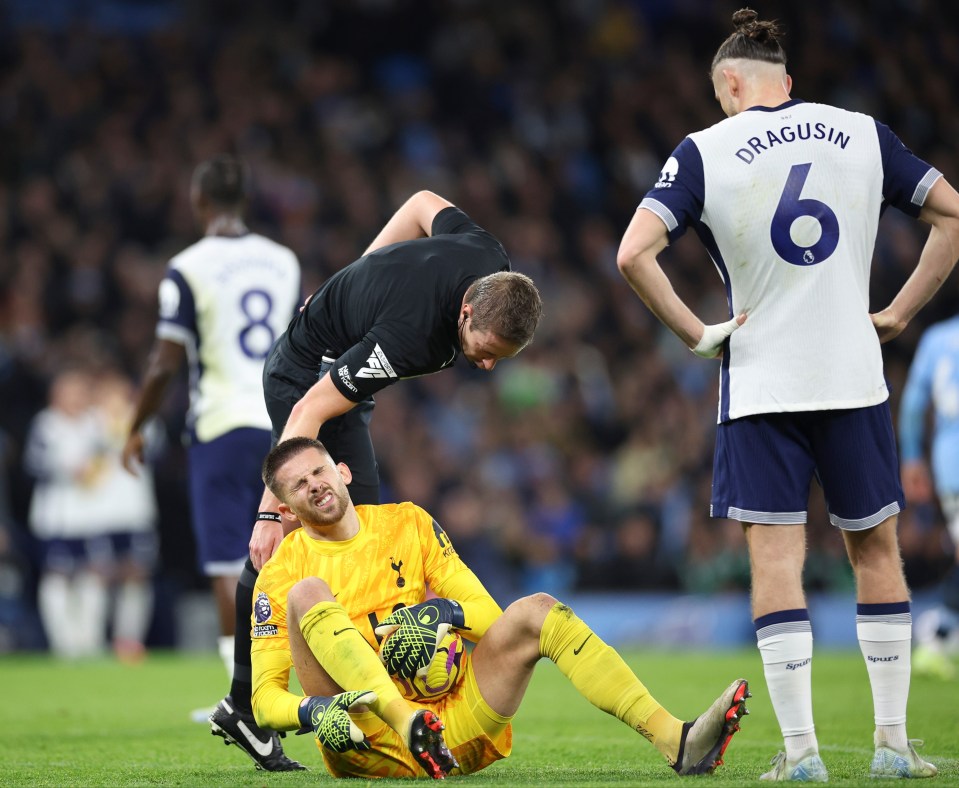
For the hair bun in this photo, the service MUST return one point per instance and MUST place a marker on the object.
(744, 19)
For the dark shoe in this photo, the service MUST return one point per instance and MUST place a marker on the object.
(263, 746)
(428, 746)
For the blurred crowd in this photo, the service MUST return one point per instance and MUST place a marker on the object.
(583, 464)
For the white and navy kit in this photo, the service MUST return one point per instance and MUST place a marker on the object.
(226, 300)
(390, 315)
(85, 509)
(787, 202)
(934, 380)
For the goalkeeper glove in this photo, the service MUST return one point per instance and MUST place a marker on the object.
(329, 719)
(412, 634)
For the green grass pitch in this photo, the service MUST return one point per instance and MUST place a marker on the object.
(103, 723)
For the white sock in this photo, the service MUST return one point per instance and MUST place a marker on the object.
(134, 604)
(885, 638)
(785, 644)
(54, 602)
(91, 613)
(224, 644)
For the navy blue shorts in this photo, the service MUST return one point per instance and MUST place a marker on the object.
(764, 465)
(225, 491)
(101, 552)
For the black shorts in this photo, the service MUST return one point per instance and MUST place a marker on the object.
(347, 437)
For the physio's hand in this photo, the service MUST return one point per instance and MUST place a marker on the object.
(711, 344)
(888, 325)
(411, 634)
(267, 536)
(132, 456)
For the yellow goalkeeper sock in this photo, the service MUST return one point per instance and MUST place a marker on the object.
(601, 676)
(350, 661)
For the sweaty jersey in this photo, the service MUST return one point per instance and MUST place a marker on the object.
(226, 299)
(787, 202)
(934, 377)
(399, 551)
(393, 313)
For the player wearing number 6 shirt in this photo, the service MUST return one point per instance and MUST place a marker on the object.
(786, 197)
(223, 302)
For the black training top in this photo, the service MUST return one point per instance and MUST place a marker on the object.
(393, 313)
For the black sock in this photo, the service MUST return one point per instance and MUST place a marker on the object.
(241, 690)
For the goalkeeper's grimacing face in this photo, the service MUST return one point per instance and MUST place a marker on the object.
(314, 488)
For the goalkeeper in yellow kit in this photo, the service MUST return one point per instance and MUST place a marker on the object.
(354, 576)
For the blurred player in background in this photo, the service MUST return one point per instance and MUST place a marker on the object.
(223, 302)
(128, 517)
(934, 379)
(786, 197)
(63, 454)
(431, 285)
(96, 523)
(354, 575)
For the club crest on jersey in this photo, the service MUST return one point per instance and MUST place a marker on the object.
(263, 612)
(377, 366)
(668, 174)
(398, 568)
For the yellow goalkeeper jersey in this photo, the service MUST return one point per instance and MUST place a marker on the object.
(399, 551)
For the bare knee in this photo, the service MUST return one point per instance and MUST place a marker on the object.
(528, 614)
(305, 594)
(877, 564)
(875, 547)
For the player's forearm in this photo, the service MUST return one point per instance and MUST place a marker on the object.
(319, 404)
(480, 613)
(151, 396)
(637, 260)
(274, 706)
(303, 422)
(277, 709)
(166, 358)
(939, 255)
(479, 608)
(653, 287)
(935, 264)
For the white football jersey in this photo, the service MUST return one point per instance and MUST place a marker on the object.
(787, 201)
(226, 299)
(63, 452)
